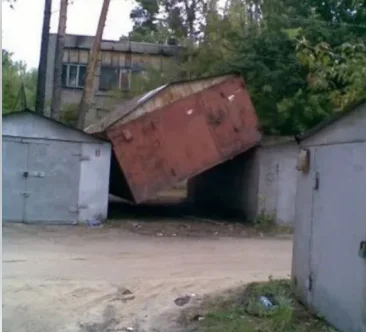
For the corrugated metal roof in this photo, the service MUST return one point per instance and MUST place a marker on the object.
(127, 107)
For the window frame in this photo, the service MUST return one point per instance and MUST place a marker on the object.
(121, 71)
(67, 84)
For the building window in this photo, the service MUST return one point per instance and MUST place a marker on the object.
(73, 75)
(112, 78)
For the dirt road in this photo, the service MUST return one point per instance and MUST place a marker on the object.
(75, 278)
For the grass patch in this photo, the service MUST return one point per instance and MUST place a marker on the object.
(247, 314)
(266, 224)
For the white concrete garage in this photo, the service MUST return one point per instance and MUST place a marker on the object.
(329, 260)
(52, 173)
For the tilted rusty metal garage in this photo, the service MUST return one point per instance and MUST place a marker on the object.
(175, 132)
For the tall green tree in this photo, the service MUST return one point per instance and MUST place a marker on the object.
(302, 60)
(294, 80)
(15, 74)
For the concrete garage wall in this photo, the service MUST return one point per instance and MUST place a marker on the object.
(330, 223)
(53, 173)
(262, 180)
(94, 184)
(277, 180)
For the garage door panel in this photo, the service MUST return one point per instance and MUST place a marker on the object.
(338, 272)
(14, 183)
(52, 183)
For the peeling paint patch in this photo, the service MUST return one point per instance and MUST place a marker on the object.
(231, 98)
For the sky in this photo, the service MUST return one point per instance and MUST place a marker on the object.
(22, 26)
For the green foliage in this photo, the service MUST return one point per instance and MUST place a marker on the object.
(69, 114)
(247, 313)
(302, 60)
(264, 222)
(150, 79)
(294, 80)
(14, 74)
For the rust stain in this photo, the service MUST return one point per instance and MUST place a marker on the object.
(185, 137)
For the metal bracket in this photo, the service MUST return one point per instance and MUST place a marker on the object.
(76, 209)
(316, 181)
(362, 250)
(309, 283)
(82, 158)
(34, 174)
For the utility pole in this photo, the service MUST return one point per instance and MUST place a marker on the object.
(42, 68)
(57, 73)
(86, 99)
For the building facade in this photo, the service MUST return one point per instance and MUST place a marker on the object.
(119, 62)
(329, 257)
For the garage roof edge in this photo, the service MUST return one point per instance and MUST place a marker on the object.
(29, 111)
(332, 119)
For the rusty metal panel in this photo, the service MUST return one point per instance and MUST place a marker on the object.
(185, 137)
(153, 100)
(231, 116)
(138, 148)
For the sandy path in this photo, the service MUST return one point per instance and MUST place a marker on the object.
(73, 278)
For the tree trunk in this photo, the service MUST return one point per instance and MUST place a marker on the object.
(57, 73)
(88, 93)
(42, 68)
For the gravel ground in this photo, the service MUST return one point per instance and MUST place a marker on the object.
(80, 279)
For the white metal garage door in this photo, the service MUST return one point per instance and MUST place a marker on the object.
(42, 179)
(338, 273)
(14, 164)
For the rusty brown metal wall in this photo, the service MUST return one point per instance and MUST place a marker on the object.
(185, 138)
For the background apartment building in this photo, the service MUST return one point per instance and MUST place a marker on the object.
(119, 62)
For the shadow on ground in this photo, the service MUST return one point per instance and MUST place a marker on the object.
(176, 216)
(168, 208)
